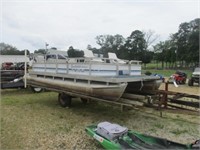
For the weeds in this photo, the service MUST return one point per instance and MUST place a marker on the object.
(178, 131)
(158, 125)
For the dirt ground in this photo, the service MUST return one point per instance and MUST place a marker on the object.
(182, 88)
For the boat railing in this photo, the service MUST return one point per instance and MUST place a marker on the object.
(39, 58)
(102, 60)
(44, 58)
(81, 63)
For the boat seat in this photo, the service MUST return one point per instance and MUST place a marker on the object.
(97, 60)
(92, 58)
(88, 54)
(113, 58)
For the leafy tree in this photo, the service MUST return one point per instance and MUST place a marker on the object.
(182, 46)
(132, 48)
(165, 52)
(7, 49)
(110, 43)
(169, 52)
(187, 42)
(89, 47)
(40, 51)
(74, 52)
(193, 42)
(147, 56)
(159, 51)
(135, 45)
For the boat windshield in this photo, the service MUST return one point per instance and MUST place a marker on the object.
(53, 56)
(61, 56)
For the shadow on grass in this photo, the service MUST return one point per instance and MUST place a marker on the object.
(94, 109)
(15, 91)
(100, 111)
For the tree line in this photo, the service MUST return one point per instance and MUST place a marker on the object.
(7, 49)
(180, 50)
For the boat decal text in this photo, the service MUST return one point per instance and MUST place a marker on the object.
(98, 138)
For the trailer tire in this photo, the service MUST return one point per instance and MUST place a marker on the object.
(177, 82)
(84, 101)
(184, 81)
(64, 100)
(36, 89)
(190, 82)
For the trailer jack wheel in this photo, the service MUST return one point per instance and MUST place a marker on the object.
(64, 100)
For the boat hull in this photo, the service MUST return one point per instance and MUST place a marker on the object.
(148, 86)
(103, 90)
(105, 80)
(135, 140)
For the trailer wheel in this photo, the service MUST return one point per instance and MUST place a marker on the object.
(64, 100)
(184, 81)
(84, 100)
(36, 89)
(177, 82)
(190, 82)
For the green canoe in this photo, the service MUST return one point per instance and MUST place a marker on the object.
(135, 140)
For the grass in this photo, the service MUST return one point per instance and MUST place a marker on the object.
(165, 72)
(36, 121)
(178, 131)
(158, 125)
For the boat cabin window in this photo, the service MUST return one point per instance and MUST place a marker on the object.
(54, 56)
(81, 60)
(61, 56)
(136, 62)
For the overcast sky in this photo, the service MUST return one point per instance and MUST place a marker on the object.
(28, 24)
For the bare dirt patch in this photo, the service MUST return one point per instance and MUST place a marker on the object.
(182, 88)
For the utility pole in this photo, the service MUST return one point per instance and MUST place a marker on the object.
(25, 69)
(46, 44)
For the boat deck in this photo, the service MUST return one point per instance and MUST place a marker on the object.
(111, 79)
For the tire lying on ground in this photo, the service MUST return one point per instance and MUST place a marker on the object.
(36, 89)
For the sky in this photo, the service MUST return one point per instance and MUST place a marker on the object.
(29, 24)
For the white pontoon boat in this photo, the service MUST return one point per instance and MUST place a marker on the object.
(106, 78)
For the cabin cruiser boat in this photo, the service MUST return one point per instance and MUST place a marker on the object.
(106, 78)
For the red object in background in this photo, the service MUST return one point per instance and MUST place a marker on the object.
(180, 77)
(6, 65)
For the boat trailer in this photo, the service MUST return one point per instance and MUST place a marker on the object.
(160, 100)
(175, 101)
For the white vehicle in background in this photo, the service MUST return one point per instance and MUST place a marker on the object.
(195, 77)
(51, 56)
